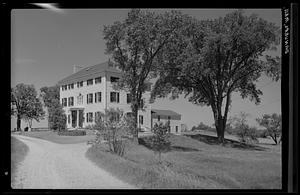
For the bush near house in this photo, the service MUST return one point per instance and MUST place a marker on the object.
(159, 142)
(113, 128)
(72, 133)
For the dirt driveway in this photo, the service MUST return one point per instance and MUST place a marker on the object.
(50, 165)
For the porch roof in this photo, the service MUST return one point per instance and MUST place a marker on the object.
(164, 112)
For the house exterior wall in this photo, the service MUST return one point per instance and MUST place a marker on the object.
(173, 124)
(105, 87)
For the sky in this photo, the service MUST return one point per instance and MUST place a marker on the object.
(45, 45)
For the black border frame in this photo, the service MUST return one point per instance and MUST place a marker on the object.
(289, 102)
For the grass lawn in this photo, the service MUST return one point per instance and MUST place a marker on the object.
(194, 163)
(18, 153)
(54, 137)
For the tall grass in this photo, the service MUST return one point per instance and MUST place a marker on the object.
(192, 164)
(18, 153)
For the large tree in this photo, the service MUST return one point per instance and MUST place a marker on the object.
(215, 58)
(273, 124)
(35, 113)
(25, 104)
(134, 45)
(50, 96)
(57, 118)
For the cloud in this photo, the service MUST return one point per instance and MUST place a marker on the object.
(51, 6)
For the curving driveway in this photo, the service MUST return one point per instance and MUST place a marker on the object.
(50, 165)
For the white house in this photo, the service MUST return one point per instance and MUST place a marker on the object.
(89, 91)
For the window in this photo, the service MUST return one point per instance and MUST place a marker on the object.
(115, 117)
(79, 84)
(89, 82)
(114, 79)
(79, 99)
(158, 118)
(89, 98)
(89, 117)
(176, 129)
(97, 80)
(71, 101)
(97, 97)
(64, 87)
(64, 102)
(128, 98)
(97, 116)
(142, 103)
(141, 119)
(114, 97)
(69, 119)
(71, 86)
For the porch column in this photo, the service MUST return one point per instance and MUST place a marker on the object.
(70, 124)
(77, 122)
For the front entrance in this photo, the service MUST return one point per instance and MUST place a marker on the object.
(74, 118)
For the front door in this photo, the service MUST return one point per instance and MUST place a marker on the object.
(74, 118)
(80, 118)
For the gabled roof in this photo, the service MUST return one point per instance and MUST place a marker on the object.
(165, 112)
(89, 72)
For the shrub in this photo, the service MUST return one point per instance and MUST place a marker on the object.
(113, 128)
(160, 142)
(262, 133)
(72, 133)
(247, 134)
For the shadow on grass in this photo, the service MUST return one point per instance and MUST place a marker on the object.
(145, 141)
(211, 140)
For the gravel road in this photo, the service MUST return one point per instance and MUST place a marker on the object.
(50, 165)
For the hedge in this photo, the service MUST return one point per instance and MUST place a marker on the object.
(72, 133)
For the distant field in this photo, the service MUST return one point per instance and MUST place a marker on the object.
(195, 164)
(18, 153)
(53, 137)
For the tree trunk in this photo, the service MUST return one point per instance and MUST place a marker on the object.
(135, 131)
(220, 127)
(275, 139)
(18, 123)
